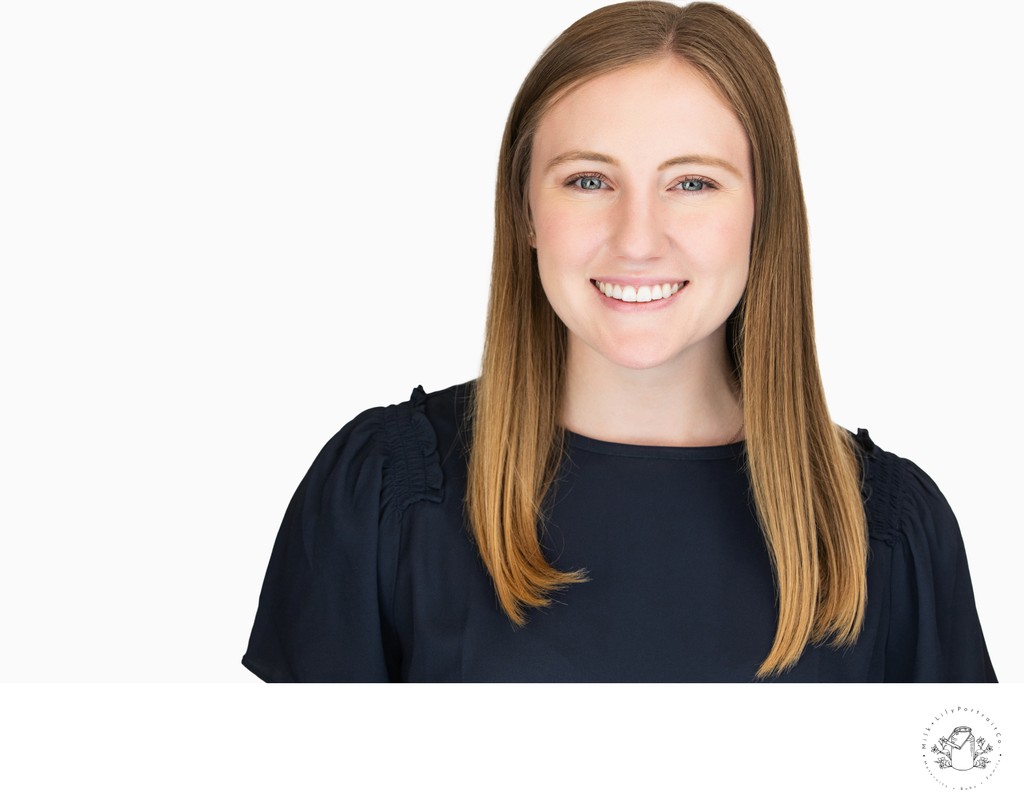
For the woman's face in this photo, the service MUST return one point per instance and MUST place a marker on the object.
(642, 205)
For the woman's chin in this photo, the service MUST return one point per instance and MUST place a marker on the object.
(638, 358)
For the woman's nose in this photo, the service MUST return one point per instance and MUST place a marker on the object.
(638, 230)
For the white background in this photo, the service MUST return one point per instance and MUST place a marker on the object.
(227, 228)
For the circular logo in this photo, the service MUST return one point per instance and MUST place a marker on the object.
(961, 748)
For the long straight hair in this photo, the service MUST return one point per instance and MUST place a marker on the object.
(802, 467)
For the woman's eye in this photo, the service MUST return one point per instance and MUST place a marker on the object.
(587, 182)
(693, 184)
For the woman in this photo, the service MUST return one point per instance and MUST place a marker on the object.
(648, 438)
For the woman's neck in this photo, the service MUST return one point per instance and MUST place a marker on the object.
(690, 401)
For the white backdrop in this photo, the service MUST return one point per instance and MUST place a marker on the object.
(227, 228)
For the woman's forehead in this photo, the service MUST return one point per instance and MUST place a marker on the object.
(665, 106)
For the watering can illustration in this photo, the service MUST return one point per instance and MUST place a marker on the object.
(960, 748)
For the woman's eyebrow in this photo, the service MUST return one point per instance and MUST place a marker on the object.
(707, 160)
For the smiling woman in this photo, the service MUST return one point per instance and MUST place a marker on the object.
(648, 433)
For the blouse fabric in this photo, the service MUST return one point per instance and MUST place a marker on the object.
(374, 575)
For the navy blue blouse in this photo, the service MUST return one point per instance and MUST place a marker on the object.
(374, 576)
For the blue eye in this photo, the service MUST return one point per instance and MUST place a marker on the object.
(692, 184)
(586, 182)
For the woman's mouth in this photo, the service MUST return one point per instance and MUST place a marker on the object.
(638, 293)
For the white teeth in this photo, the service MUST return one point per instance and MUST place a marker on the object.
(642, 294)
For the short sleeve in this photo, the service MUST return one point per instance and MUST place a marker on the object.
(322, 613)
(934, 634)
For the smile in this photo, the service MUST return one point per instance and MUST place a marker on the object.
(638, 294)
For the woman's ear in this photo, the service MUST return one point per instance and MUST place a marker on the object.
(531, 234)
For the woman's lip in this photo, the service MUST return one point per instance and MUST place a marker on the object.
(636, 283)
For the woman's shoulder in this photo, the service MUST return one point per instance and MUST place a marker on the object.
(402, 444)
(902, 501)
(933, 619)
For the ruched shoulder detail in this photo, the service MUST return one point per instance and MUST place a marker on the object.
(879, 489)
(412, 471)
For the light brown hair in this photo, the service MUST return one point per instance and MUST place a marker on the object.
(803, 468)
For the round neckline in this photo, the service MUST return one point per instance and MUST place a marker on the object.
(598, 445)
